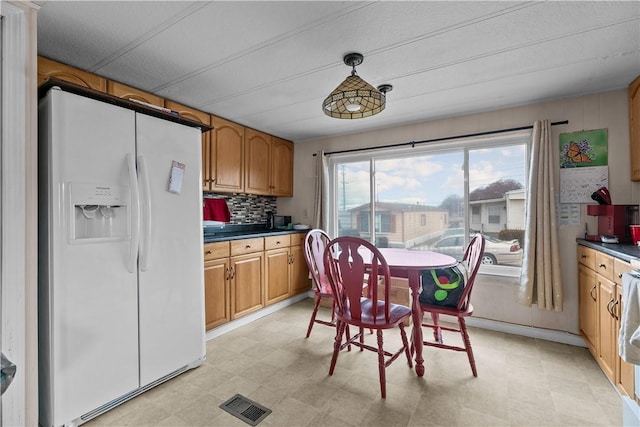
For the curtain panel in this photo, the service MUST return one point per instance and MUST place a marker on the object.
(320, 193)
(540, 280)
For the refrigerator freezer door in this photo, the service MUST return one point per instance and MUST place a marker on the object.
(88, 300)
(171, 284)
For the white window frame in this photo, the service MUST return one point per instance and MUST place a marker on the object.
(463, 144)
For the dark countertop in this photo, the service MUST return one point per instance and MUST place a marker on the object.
(625, 251)
(244, 232)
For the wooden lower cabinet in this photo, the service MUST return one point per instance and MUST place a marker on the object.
(588, 303)
(217, 292)
(299, 271)
(600, 307)
(243, 276)
(608, 337)
(286, 268)
(246, 284)
(277, 262)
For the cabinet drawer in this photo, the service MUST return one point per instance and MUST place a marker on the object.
(587, 257)
(275, 242)
(247, 246)
(619, 267)
(298, 239)
(216, 250)
(604, 265)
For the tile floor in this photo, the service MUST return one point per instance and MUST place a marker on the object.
(521, 382)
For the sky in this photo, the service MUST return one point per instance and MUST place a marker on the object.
(429, 179)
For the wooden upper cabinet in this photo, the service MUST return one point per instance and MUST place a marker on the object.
(634, 128)
(48, 68)
(281, 167)
(204, 118)
(226, 156)
(127, 92)
(257, 172)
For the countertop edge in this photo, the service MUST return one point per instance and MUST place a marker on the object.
(249, 235)
(626, 252)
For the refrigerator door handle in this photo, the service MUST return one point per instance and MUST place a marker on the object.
(135, 214)
(145, 254)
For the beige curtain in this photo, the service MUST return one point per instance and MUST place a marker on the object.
(540, 280)
(320, 195)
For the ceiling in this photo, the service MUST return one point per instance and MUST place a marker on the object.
(269, 65)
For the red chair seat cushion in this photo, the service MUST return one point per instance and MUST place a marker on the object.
(396, 314)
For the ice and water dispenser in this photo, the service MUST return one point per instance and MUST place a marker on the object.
(99, 211)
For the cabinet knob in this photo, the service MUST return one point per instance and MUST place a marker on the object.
(591, 293)
(209, 252)
(602, 266)
(583, 256)
(248, 247)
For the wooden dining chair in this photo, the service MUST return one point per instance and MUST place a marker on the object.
(349, 262)
(315, 242)
(471, 263)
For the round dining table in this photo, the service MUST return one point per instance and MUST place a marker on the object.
(409, 264)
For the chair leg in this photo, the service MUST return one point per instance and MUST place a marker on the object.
(437, 332)
(408, 350)
(336, 346)
(314, 314)
(467, 345)
(381, 365)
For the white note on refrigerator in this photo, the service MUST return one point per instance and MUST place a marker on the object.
(176, 178)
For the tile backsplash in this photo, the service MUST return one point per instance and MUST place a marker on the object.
(247, 208)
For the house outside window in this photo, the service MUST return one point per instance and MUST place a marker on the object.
(418, 197)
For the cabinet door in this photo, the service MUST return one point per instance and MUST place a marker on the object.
(588, 298)
(276, 275)
(216, 292)
(299, 271)
(634, 128)
(257, 174)
(204, 118)
(282, 167)
(607, 348)
(246, 284)
(226, 156)
(48, 68)
(128, 93)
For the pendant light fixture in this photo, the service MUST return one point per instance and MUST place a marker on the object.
(354, 98)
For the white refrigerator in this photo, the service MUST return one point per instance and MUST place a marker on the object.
(121, 286)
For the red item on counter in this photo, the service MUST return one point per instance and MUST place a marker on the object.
(215, 210)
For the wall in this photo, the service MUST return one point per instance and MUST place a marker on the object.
(19, 204)
(495, 297)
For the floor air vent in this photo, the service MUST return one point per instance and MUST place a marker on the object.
(245, 409)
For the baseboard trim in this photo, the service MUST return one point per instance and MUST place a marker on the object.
(527, 331)
(245, 320)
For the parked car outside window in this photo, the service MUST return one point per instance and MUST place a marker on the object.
(496, 252)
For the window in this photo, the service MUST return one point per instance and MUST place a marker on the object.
(494, 214)
(435, 197)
